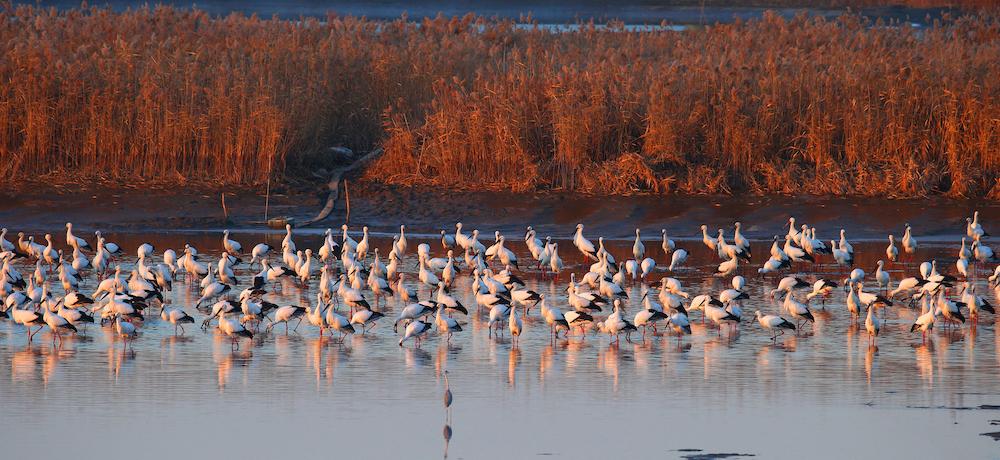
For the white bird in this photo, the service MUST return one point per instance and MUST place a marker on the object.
(964, 252)
(447, 241)
(145, 250)
(841, 256)
(449, 302)
(907, 284)
(666, 244)
(796, 253)
(233, 329)
(415, 330)
(363, 245)
(646, 318)
(414, 311)
(426, 276)
(925, 322)
(739, 240)
(679, 322)
(909, 242)
(446, 324)
(231, 246)
(772, 265)
(364, 317)
(48, 252)
(348, 243)
(286, 313)
(288, 244)
(728, 267)
(854, 304)
(981, 252)
(516, 327)
(891, 251)
(352, 297)
(57, 324)
(882, 276)
(774, 324)
(213, 289)
(869, 299)
(583, 244)
(126, 330)
(873, 325)
(176, 316)
(962, 266)
(647, 266)
(555, 262)
(340, 323)
(461, 239)
(844, 244)
(638, 249)
(259, 252)
(788, 283)
(995, 277)
(5, 246)
(973, 228)
(72, 241)
(710, 242)
(822, 288)
(678, 259)
(400, 245)
(798, 310)
(719, 315)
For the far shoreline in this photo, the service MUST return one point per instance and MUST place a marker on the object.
(427, 211)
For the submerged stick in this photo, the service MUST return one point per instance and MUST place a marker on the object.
(267, 197)
(347, 199)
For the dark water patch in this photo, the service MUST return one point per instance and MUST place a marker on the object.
(715, 456)
(995, 435)
(979, 407)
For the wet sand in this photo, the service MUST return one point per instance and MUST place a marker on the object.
(426, 211)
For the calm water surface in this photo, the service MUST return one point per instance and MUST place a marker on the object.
(822, 394)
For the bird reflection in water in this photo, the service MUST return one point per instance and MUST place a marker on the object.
(23, 364)
(608, 360)
(870, 363)
(447, 438)
(545, 361)
(415, 358)
(118, 358)
(240, 358)
(924, 355)
(513, 360)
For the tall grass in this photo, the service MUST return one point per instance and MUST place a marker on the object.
(773, 105)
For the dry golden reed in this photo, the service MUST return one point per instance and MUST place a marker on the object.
(804, 105)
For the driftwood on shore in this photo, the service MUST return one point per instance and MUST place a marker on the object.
(335, 183)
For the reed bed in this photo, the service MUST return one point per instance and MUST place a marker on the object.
(803, 105)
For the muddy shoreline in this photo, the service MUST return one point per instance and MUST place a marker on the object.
(424, 210)
(554, 12)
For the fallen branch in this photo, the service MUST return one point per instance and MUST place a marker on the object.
(336, 178)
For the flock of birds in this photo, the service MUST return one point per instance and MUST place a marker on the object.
(356, 285)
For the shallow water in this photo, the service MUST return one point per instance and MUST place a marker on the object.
(822, 394)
